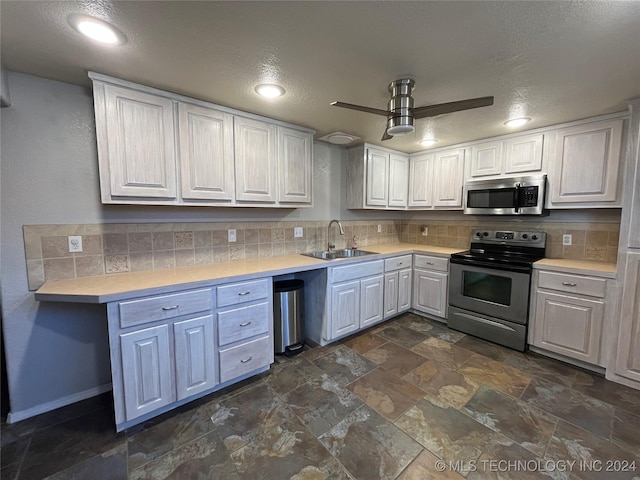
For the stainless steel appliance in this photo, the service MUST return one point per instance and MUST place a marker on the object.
(489, 285)
(506, 196)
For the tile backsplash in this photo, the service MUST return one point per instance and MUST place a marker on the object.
(118, 248)
(133, 247)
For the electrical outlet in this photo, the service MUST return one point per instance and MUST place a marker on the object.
(297, 232)
(379, 228)
(75, 243)
(231, 235)
(566, 239)
(424, 230)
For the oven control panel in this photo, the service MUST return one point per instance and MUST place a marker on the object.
(528, 238)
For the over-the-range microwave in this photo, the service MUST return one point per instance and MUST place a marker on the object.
(506, 196)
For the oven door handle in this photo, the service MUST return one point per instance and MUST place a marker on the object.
(489, 265)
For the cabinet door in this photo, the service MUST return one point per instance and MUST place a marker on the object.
(345, 308)
(404, 290)
(371, 301)
(398, 180)
(255, 154)
(430, 292)
(195, 358)
(420, 181)
(140, 140)
(486, 159)
(294, 166)
(628, 356)
(206, 153)
(377, 178)
(584, 167)
(523, 154)
(146, 370)
(448, 175)
(390, 294)
(568, 325)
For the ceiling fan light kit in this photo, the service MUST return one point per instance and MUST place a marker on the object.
(401, 113)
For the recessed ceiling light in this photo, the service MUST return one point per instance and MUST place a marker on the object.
(269, 90)
(427, 142)
(97, 29)
(517, 122)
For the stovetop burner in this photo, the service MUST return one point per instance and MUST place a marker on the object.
(504, 248)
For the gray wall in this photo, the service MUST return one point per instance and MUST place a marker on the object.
(49, 174)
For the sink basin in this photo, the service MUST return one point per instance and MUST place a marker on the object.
(344, 253)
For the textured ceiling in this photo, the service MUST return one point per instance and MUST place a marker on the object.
(551, 61)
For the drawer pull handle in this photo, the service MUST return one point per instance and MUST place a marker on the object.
(569, 284)
(244, 293)
(246, 360)
(173, 307)
(245, 323)
(429, 263)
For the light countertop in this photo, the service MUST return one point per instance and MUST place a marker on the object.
(584, 267)
(108, 288)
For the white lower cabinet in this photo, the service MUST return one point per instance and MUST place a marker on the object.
(431, 285)
(147, 370)
(397, 285)
(168, 349)
(195, 360)
(356, 298)
(569, 313)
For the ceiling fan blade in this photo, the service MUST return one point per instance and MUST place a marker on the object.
(386, 136)
(360, 108)
(439, 109)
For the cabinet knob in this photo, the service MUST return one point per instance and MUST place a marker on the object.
(569, 284)
(244, 293)
(172, 307)
(245, 323)
(246, 360)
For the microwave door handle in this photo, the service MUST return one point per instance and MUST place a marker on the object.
(516, 198)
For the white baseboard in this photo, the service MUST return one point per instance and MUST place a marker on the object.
(14, 417)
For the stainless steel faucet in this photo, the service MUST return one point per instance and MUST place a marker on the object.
(331, 246)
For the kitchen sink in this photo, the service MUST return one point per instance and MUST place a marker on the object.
(344, 253)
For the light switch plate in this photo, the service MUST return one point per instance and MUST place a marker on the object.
(75, 243)
(566, 239)
(297, 232)
(231, 235)
(379, 228)
(424, 230)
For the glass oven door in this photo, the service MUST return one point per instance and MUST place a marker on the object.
(497, 293)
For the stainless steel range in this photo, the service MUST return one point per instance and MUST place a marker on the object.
(489, 285)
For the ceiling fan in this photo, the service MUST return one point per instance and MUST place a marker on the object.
(400, 111)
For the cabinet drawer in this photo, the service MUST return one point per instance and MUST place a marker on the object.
(594, 287)
(350, 272)
(431, 263)
(243, 322)
(245, 358)
(235, 293)
(397, 263)
(162, 307)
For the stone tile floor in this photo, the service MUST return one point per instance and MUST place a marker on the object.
(388, 403)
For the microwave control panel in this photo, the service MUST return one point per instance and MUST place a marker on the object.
(528, 196)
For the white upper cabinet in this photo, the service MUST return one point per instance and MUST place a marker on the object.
(584, 165)
(294, 166)
(377, 172)
(398, 180)
(420, 181)
(255, 147)
(514, 155)
(136, 145)
(377, 178)
(206, 153)
(149, 140)
(523, 154)
(448, 178)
